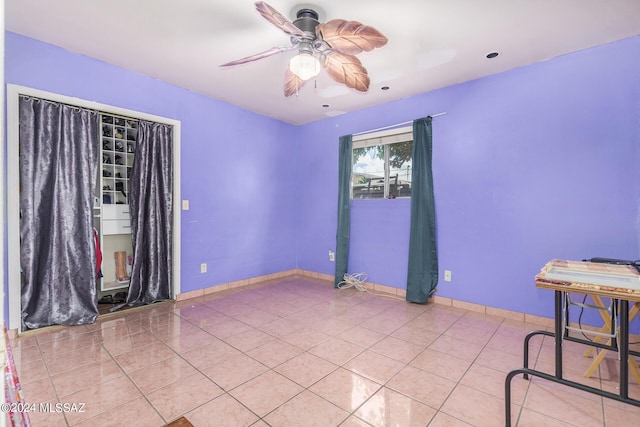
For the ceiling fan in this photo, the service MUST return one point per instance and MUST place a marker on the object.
(333, 45)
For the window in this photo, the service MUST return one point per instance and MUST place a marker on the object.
(381, 164)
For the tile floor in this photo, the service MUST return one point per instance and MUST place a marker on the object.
(296, 352)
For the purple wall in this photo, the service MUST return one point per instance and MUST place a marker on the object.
(532, 164)
(536, 163)
(236, 167)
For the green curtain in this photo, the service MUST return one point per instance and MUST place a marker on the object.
(344, 209)
(422, 276)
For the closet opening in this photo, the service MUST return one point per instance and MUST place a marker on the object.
(100, 186)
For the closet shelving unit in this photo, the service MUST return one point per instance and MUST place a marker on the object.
(118, 137)
(118, 147)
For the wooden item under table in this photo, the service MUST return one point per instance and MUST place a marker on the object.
(606, 329)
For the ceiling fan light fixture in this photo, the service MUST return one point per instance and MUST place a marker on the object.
(304, 65)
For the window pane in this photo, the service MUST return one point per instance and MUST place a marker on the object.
(367, 176)
(400, 169)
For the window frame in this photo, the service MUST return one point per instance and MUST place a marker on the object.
(384, 138)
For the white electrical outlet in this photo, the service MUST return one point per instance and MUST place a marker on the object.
(185, 205)
(447, 275)
(332, 256)
(203, 267)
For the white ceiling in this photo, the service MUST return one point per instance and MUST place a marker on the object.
(432, 43)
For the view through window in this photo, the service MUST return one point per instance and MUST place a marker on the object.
(381, 164)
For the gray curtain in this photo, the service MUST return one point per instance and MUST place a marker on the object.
(58, 171)
(422, 276)
(151, 207)
(344, 208)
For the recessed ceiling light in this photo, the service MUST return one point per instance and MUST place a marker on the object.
(385, 88)
(492, 55)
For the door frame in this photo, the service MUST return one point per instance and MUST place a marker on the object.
(13, 182)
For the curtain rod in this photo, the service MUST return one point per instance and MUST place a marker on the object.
(397, 124)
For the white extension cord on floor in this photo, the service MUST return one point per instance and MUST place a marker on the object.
(354, 280)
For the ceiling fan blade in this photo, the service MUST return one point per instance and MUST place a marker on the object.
(292, 83)
(350, 37)
(278, 19)
(265, 54)
(347, 69)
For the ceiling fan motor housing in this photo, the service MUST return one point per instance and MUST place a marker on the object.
(307, 21)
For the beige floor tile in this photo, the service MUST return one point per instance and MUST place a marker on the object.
(47, 419)
(355, 315)
(138, 412)
(374, 366)
(226, 329)
(565, 404)
(201, 314)
(397, 349)
(144, 356)
(170, 326)
(331, 326)
(62, 347)
(32, 371)
(305, 338)
(210, 354)
(182, 396)
(415, 335)
(336, 350)
(257, 317)
(38, 391)
(493, 382)
(232, 372)
(153, 322)
(345, 389)
(442, 364)
(477, 408)
(384, 324)
(223, 411)
(274, 352)
(306, 409)
(361, 336)
(279, 327)
(86, 376)
(620, 414)
(75, 360)
(529, 418)
(266, 392)
(189, 340)
(480, 320)
(353, 421)
(249, 339)
(113, 328)
(388, 407)
(500, 360)
(443, 420)
(25, 353)
(306, 369)
(293, 333)
(427, 388)
(160, 374)
(60, 333)
(462, 349)
(100, 398)
(129, 343)
(468, 333)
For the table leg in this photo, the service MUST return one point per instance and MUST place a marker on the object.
(559, 332)
(624, 349)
